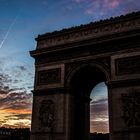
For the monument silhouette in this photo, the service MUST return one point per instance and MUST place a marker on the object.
(70, 62)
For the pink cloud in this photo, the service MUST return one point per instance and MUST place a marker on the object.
(115, 3)
(106, 8)
(103, 7)
(79, 1)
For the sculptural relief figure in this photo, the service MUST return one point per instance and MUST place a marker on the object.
(131, 108)
(46, 115)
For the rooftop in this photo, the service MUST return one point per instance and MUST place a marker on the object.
(91, 24)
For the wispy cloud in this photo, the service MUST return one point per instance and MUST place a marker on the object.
(79, 1)
(106, 8)
(99, 101)
(15, 99)
(99, 115)
(17, 109)
(22, 68)
(102, 7)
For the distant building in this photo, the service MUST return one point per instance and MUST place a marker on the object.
(14, 134)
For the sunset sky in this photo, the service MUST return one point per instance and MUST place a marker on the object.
(20, 22)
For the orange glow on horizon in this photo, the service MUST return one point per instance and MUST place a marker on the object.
(9, 119)
(19, 111)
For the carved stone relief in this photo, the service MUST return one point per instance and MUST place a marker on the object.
(69, 68)
(50, 76)
(90, 33)
(129, 65)
(131, 108)
(46, 115)
(105, 62)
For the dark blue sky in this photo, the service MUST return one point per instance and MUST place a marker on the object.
(20, 22)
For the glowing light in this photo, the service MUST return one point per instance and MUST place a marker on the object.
(9, 118)
(22, 111)
(99, 120)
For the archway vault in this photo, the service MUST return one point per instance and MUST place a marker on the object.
(94, 66)
(81, 82)
(69, 63)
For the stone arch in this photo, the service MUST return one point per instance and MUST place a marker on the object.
(78, 67)
(109, 49)
(81, 82)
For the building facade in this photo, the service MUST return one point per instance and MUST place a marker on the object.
(70, 62)
(14, 134)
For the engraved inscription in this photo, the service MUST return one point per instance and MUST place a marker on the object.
(129, 65)
(131, 108)
(46, 115)
(51, 76)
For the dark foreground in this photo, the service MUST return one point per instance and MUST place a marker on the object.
(99, 136)
(24, 134)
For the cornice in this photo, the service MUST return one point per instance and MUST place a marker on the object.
(92, 30)
(123, 83)
(110, 43)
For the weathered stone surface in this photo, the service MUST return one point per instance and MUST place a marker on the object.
(69, 63)
(92, 30)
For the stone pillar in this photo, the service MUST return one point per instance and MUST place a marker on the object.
(124, 110)
(51, 105)
(87, 118)
(124, 97)
(52, 117)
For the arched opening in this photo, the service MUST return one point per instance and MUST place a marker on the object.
(82, 83)
(99, 119)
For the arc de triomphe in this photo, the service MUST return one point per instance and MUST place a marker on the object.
(70, 62)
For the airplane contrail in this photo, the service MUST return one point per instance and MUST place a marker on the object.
(8, 31)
